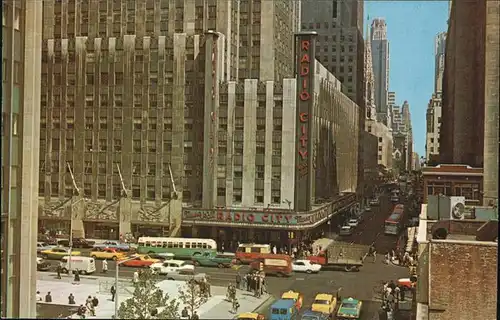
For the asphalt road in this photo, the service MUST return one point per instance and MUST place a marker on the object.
(363, 285)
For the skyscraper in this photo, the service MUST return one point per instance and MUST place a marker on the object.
(439, 61)
(380, 57)
(21, 68)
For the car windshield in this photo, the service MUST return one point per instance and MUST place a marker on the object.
(321, 302)
(346, 227)
(147, 257)
(349, 305)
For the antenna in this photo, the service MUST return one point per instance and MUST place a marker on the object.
(172, 178)
(121, 180)
(73, 178)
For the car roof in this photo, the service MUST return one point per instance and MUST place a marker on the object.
(283, 304)
(323, 296)
(312, 313)
(302, 260)
(174, 261)
(346, 227)
(350, 300)
(290, 295)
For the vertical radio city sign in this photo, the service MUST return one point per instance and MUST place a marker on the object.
(305, 58)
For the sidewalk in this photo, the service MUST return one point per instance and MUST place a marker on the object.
(215, 308)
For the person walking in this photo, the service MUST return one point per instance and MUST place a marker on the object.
(238, 280)
(59, 270)
(104, 266)
(113, 293)
(135, 279)
(48, 297)
(373, 253)
(71, 299)
(77, 277)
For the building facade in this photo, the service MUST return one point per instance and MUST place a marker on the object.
(123, 150)
(439, 55)
(21, 69)
(380, 57)
(470, 91)
(433, 121)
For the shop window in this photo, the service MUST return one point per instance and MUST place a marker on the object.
(136, 192)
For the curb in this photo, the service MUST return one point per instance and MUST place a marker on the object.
(266, 301)
(63, 275)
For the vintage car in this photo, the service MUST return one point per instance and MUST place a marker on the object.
(350, 308)
(283, 310)
(140, 261)
(324, 303)
(42, 265)
(120, 246)
(346, 230)
(211, 259)
(58, 253)
(305, 266)
(295, 296)
(168, 266)
(250, 316)
(408, 283)
(313, 315)
(186, 275)
(42, 246)
(107, 253)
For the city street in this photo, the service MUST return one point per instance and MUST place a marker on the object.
(362, 285)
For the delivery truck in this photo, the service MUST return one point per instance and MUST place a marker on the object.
(342, 255)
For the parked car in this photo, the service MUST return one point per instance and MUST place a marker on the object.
(121, 246)
(295, 296)
(169, 266)
(313, 315)
(211, 259)
(58, 253)
(41, 246)
(77, 243)
(47, 239)
(107, 253)
(185, 275)
(42, 265)
(250, 316)
(305, 266)
(353, 222)
(141, 261)
(346, 231)
(324, 303)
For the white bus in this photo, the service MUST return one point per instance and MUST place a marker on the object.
(181, 248)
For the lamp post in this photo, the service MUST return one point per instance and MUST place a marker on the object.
(118, 263)
(71, 232)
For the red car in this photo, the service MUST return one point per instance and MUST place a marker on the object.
(140, 261)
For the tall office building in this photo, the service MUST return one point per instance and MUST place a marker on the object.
(380, 57)
(434, 108)
(21, 68)
(122, 86)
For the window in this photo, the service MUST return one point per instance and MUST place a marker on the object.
(150, 193)
(88, 144)
(101, 189)
(136, 145)
(55, 144)
(55, 166)
(102, 167)
(54, 187)
(103, 145)
(15, 124)
(221, 192)
(136, 168)
(380, 139)
(137, 123)
(17, 72)
(70, 144)
(89, 122)
(136, 192)
(259, 170)
(117, 145)
(151, 168)
(4, 119)
(103, 123)
(151, 145)
(17, 17)
(70, 122)
(88, 167)
(152, 123)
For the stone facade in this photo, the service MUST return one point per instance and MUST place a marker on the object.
(433, 119)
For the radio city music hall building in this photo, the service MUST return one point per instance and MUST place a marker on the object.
(286, 156)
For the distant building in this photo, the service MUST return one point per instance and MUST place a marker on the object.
(456, 258)
(380, 56)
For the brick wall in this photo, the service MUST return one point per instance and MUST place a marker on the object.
(462, 280)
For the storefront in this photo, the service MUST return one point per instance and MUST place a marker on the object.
(149, 230)
(101, 230)
(269, 226)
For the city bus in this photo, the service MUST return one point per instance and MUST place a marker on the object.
(394, 223)
(181, 248)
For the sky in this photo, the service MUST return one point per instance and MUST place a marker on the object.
(411, 29)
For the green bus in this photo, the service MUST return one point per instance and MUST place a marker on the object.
(181, 248)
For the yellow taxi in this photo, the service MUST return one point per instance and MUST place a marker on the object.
(324, 303)
(58, 253)
(295, 296)
(250, 316)
(107, 253)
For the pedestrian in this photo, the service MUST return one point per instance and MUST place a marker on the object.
(104, 266)
(76, 280)
(248, 282)
(185, 313)
(372, 252)
(88, 301)
(275, 250)
(95, 301)
(392, 285)
(48, 297)
(222, 248)
(113, 293)
(59, 270)
(397, 292)
(38, 296)
(402, 293)
(236, 305)
(135, 278)
(238, 280)
(195, 316)
(387, 258)
(71, 299)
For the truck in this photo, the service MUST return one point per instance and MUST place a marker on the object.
(347, 256)
(273, 264)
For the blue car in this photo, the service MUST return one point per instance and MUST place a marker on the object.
(283, 310)
(313, 315)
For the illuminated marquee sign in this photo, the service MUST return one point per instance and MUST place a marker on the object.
(304, 51)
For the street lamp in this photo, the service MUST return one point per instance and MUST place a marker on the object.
(71, 231)
(118, 263)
